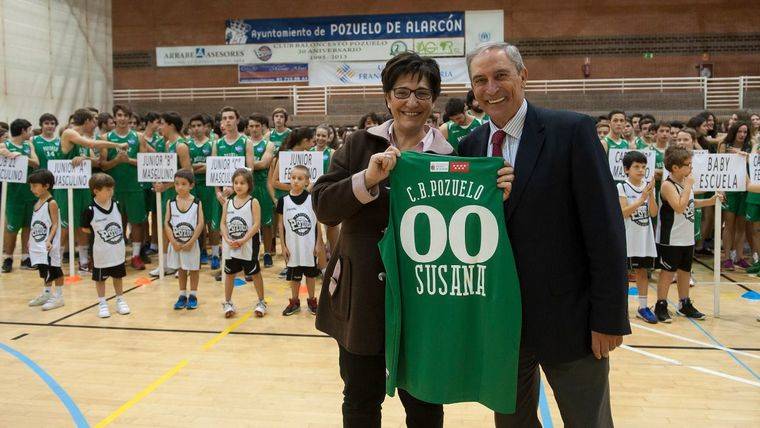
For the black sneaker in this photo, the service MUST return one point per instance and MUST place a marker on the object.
(283, 273)
(294, 305)
(267, 260)
(689, 311)
(7, 265)
(661, 311)
(26, 264)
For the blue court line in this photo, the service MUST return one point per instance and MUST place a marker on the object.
(543, 405)
(714, 340)
(76, 414)
(741, 363)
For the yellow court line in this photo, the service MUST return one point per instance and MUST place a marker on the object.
(169, 374)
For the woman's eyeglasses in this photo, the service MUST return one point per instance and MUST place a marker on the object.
(422, 94)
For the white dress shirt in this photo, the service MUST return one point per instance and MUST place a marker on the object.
(514, 129)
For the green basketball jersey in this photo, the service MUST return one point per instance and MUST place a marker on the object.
(198, 154)
(326, 156)
(157, 142)
(278, 138)
(456, 132)
(452, 298)
(46, 149)
(260, 175)
(20, 191)
(236, 148)
(612, 144)
(640, 143)
(124, 174)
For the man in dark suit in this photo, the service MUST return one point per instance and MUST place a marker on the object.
(568, 237)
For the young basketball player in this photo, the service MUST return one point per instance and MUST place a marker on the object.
(300, 238)
(675, 233)
(263, 152)
(20, 201)
(460, 123)
(45, 240)
(199, 148)
(639, 205)
(183, 225)
(615, 139)
(103, 219)
(241, 217)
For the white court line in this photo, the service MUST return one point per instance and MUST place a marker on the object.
(697, 368)
(686, 339)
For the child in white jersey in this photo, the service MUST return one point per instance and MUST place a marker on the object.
(183, 225)
(103, 219)
(675, 233)
(241, 220)
(45, 240)
(301, 239)
(638, 203)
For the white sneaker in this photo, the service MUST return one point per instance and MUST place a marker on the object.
(53, 302)
(40, 300)
(261, 309)
(103, 311)
(121, 306)
(155, 273)
(229, 309)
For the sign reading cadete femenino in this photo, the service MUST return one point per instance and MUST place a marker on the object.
(156, 167)
(219, 169)
(68, 176)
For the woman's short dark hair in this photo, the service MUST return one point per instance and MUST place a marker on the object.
(411, 63)
(42, 176)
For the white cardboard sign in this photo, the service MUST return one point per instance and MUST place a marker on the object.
(13, 170)
(616, 163)
(219, 169)
(720, 172)
(311, 160)
(67, 176)
(156, 167)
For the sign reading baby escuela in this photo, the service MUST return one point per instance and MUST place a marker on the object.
(720, 172)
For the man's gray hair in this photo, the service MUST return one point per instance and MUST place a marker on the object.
(511, 50)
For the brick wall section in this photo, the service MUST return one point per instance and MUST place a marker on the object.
(141, 25)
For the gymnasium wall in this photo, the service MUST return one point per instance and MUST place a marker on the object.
(55, 56)
(555, 37)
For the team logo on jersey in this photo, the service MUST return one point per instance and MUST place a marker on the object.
(300, 224)
(111, 234)
(237, 228)
(39, 231)
(239, 149)
(641, 216)
(183, 231)
(689, 213)
(439, 167)
(460, 167)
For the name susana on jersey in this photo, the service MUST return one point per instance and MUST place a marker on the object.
(468, 277)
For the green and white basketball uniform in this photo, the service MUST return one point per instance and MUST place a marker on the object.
(450, 274)
(457, 133)
(260, 191)
(207, 195)
(46, 149)
(19, 206)
(225, 148)
(612, 144)
(640, 143)
(128, 191)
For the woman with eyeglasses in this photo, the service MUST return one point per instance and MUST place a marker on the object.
(354, 193)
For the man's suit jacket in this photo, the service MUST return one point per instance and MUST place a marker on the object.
(567, 234)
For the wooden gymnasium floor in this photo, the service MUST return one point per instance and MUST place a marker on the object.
(159, 367)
